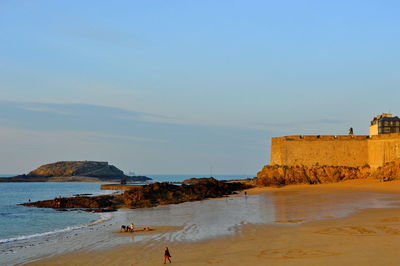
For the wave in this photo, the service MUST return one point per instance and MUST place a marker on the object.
(103, 217)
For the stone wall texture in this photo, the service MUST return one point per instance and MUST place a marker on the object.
(349, 150)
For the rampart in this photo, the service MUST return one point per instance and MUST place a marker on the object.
(347, 150)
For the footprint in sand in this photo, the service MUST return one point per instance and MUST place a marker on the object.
(347, 230)
(289, 221)
(214, 261)
(391, 220)
(371, 230)
(388, 230)
(294, 253)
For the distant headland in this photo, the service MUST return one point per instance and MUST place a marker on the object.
(75, 171)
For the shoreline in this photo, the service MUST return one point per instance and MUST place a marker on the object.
(359, 239)
(249, 238)
(101, 219)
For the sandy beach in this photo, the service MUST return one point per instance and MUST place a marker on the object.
(301, 233)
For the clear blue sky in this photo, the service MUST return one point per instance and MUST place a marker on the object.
(179, 86)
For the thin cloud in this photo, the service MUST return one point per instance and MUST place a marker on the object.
(327, 121)
(98, 136)
(44, 109)
(86, 109)
(305, 122)
(102, 34)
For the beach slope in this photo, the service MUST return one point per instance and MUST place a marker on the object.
(370, 236)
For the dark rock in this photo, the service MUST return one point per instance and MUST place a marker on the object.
(80, 202)
(165, 193)
(146, 196)
(196, 180)
(280, 175)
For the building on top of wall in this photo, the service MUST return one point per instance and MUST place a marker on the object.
(384, 124)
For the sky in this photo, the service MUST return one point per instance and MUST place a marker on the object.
(178, 87)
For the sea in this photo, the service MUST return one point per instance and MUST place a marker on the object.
(20, 222)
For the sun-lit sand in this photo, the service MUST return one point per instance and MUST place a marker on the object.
(370, 236)
(140, 230)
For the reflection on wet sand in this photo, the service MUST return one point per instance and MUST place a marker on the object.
(298, 206)
(205, 219)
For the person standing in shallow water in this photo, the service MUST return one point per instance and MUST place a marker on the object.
(167, 255)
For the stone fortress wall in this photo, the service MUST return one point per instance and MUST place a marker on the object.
(348, 150)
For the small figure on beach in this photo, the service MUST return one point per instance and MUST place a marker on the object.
(351, 131)
(131, 227)
(245, 193)
(167, 255)
(123, 228)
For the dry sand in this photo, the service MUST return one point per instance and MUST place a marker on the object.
(368, 237)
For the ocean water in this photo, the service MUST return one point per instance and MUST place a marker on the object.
(20, 222)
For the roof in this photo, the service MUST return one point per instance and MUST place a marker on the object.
(396, 118)
(384, 117)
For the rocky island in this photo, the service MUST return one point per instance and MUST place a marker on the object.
(75, 171)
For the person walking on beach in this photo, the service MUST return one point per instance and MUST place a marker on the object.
(167, 255)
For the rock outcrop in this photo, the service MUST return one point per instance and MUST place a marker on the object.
(164, 193)
(195, 180)
(96, 203)
(389, 171)
(280, 175)
(141, 196)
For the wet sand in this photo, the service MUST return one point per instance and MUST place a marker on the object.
(348, 223)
